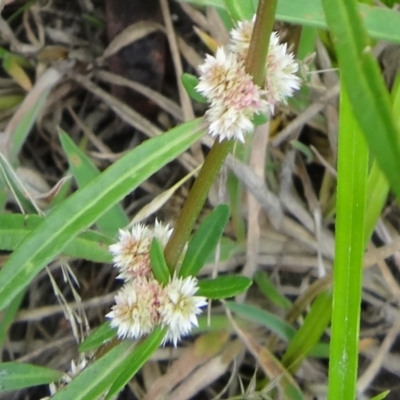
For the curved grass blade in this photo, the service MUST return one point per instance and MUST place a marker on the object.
(89, 245)
(364, 84)
(381, 23)
(84, 171)
(86, 205)
(309, 333)
(15, 375)
(135, 360)
(98, 377)
(277, 325)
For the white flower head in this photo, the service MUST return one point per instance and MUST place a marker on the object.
(131, 254)
(281, 68)
(135, 312)
(234, 98)
(241, 36)
(280, 78)
(179, 307)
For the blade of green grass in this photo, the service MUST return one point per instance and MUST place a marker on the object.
(350, 234)
(86, 205)
(98, 377)
(15, 375)
(381, 23)
(89, 245)
(136, 360)
(362, 79)
(84, 171)
(7, 317)
(308, 335)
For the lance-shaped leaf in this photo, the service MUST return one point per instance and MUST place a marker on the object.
(158, 264)
(86, 205)
(15, 375)
(204, 241)
(223, 287)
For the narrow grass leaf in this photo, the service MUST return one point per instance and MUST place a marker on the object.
(14, 69)
(377, 192)
(98, 377)
(270, 291)
(277, 325)
(84, 171)
(100, 336)
(11, 182)
(86, 205)
(135, 360)
(89, 245)
(223, 287)
(204, 241)
(7, 317)
(15, 375)
(365, 87)
(240, 10)
(381, 396)
(158, 264)
(349, 252)
(22, 121)
(308, 335)
(381, 23)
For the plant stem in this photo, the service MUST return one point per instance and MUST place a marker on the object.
(258, 50)
(195, 201)
(255, 66)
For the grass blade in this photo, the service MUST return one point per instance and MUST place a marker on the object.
(84, 171)
(85, 206)
(365, 87)
(351, 204)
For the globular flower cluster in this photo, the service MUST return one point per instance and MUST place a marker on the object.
(144, 303)
(234, 100)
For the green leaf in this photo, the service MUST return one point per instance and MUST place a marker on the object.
(100, 336)
(223, 287)
(30, 108)
(381, 23)
(381, 396)
(365, 88)
(158, 264)
(190, 82)
(85, 171)
(277, 325)
(270, 291)
(349, 253)
(87, 204)
(15, 375)
(9, 177)
(98, 377)
(89, 245)
(7, 317)
(135, 360)
(240, 10)
(309, 333)
(260, 119)
(204, 241)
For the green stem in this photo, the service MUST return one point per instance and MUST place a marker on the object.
(259, 45)
(195, 201)
(255, 66)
